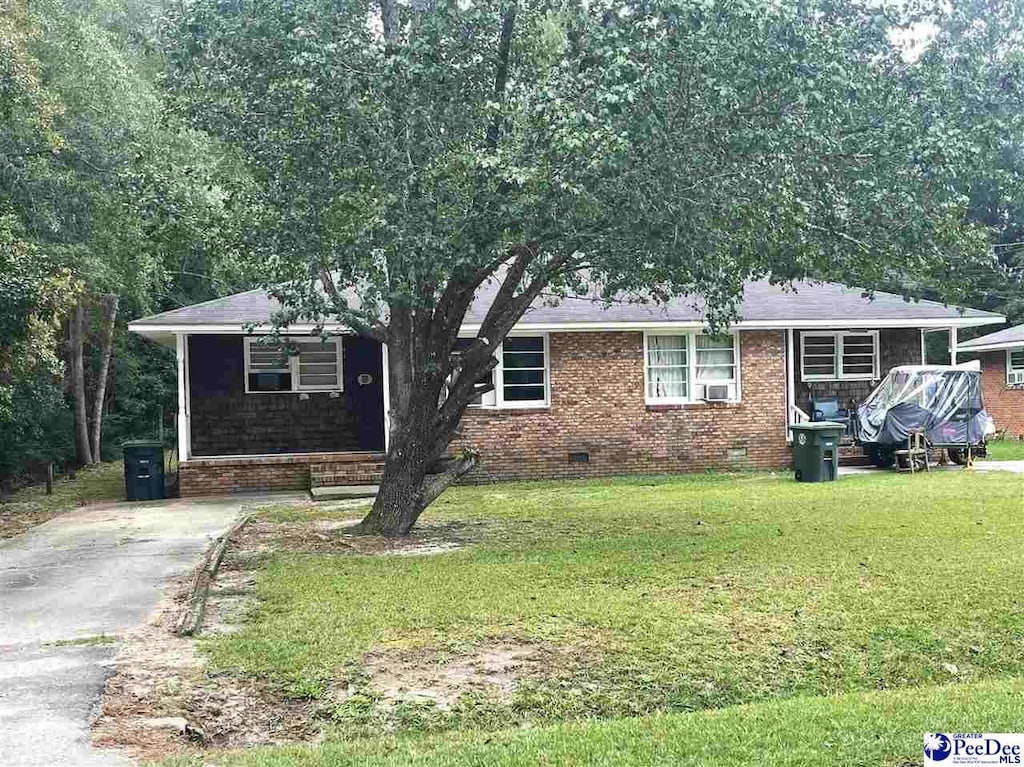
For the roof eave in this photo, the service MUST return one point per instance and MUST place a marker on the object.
(224, 328)
(998, 347)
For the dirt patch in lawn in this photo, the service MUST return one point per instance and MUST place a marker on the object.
(492, 670)
(161, 701)
(334, 536)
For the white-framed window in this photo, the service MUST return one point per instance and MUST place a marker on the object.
(522, 376)
(1014, 367)
(682, 368)
(313, 365)
(844, 355)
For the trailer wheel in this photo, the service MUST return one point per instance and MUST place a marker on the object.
(882, 457)
(957, 455)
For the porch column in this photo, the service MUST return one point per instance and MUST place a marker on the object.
(387, 396)
(790, 378)
(953, 340)
(184, 421)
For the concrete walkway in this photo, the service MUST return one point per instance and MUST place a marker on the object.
(1014, 467)
(95, 571)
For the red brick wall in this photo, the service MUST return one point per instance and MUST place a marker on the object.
(597, 406)
(1005, 404)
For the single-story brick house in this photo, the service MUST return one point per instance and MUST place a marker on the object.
(581, 389)
(1002, 361)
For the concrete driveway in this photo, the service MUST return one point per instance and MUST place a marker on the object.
(95, 571)
(1014, 467)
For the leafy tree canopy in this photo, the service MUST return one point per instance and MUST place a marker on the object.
(407, 152)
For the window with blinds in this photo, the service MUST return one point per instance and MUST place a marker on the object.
(848, 355)
(299, 365)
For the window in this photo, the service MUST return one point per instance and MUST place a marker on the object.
(521, 376)
(524, 370)
(716, 368)
(1015, 367)
(299, 365)
(694, 367)
(843, 355)
(668, 368)
(484, 399)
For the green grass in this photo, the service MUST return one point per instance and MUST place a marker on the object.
(872, 729)
(663, 595)
(31, 506)
(86, 641)
(1006, 450)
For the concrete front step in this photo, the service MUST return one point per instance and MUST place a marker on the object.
(334, 473)
(343, 492)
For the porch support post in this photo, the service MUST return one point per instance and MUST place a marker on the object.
(387, 396)
(924, 346)
(953, 341)
(790, 378)
(184, 421)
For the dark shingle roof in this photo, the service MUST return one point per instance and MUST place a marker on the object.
(762, 303)
(1001, 338)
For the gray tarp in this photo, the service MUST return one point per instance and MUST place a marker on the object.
(942, 402)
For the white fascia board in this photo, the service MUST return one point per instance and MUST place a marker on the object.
(990, 347)
(230, 329)
(596, 327)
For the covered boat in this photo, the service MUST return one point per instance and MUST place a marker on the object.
(942, 402)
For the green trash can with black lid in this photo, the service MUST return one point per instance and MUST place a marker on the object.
(816, 450)
(144, 470)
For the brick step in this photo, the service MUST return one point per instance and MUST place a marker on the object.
(853, 455)
(341, 474)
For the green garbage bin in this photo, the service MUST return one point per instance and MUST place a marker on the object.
(816, 450)
(144, 470)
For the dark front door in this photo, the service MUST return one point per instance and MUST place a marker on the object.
(364, 389)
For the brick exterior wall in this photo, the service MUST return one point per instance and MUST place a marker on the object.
(1004, 403)
(223, 476)
(597, 406)
(897, 346)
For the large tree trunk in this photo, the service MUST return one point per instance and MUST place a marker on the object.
(108, 303)
(414, 477)
(417, 469)
(76, 342)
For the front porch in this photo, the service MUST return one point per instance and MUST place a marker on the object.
(256, 417)
(259, 473)
(842, 366)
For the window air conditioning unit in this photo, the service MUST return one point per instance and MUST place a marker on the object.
(1015, 377)
(716, 393)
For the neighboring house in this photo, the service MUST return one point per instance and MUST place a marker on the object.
(581, 389)
(1002, 361)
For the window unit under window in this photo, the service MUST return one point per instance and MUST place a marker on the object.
(846, 355)
(1015, 367)
(521, 376)
(684, 368)
(315, 365)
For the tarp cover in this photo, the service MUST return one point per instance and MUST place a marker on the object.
(943, 402)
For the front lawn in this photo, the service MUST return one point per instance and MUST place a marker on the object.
(872, 729)
(1006, 450)
(660, 595)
